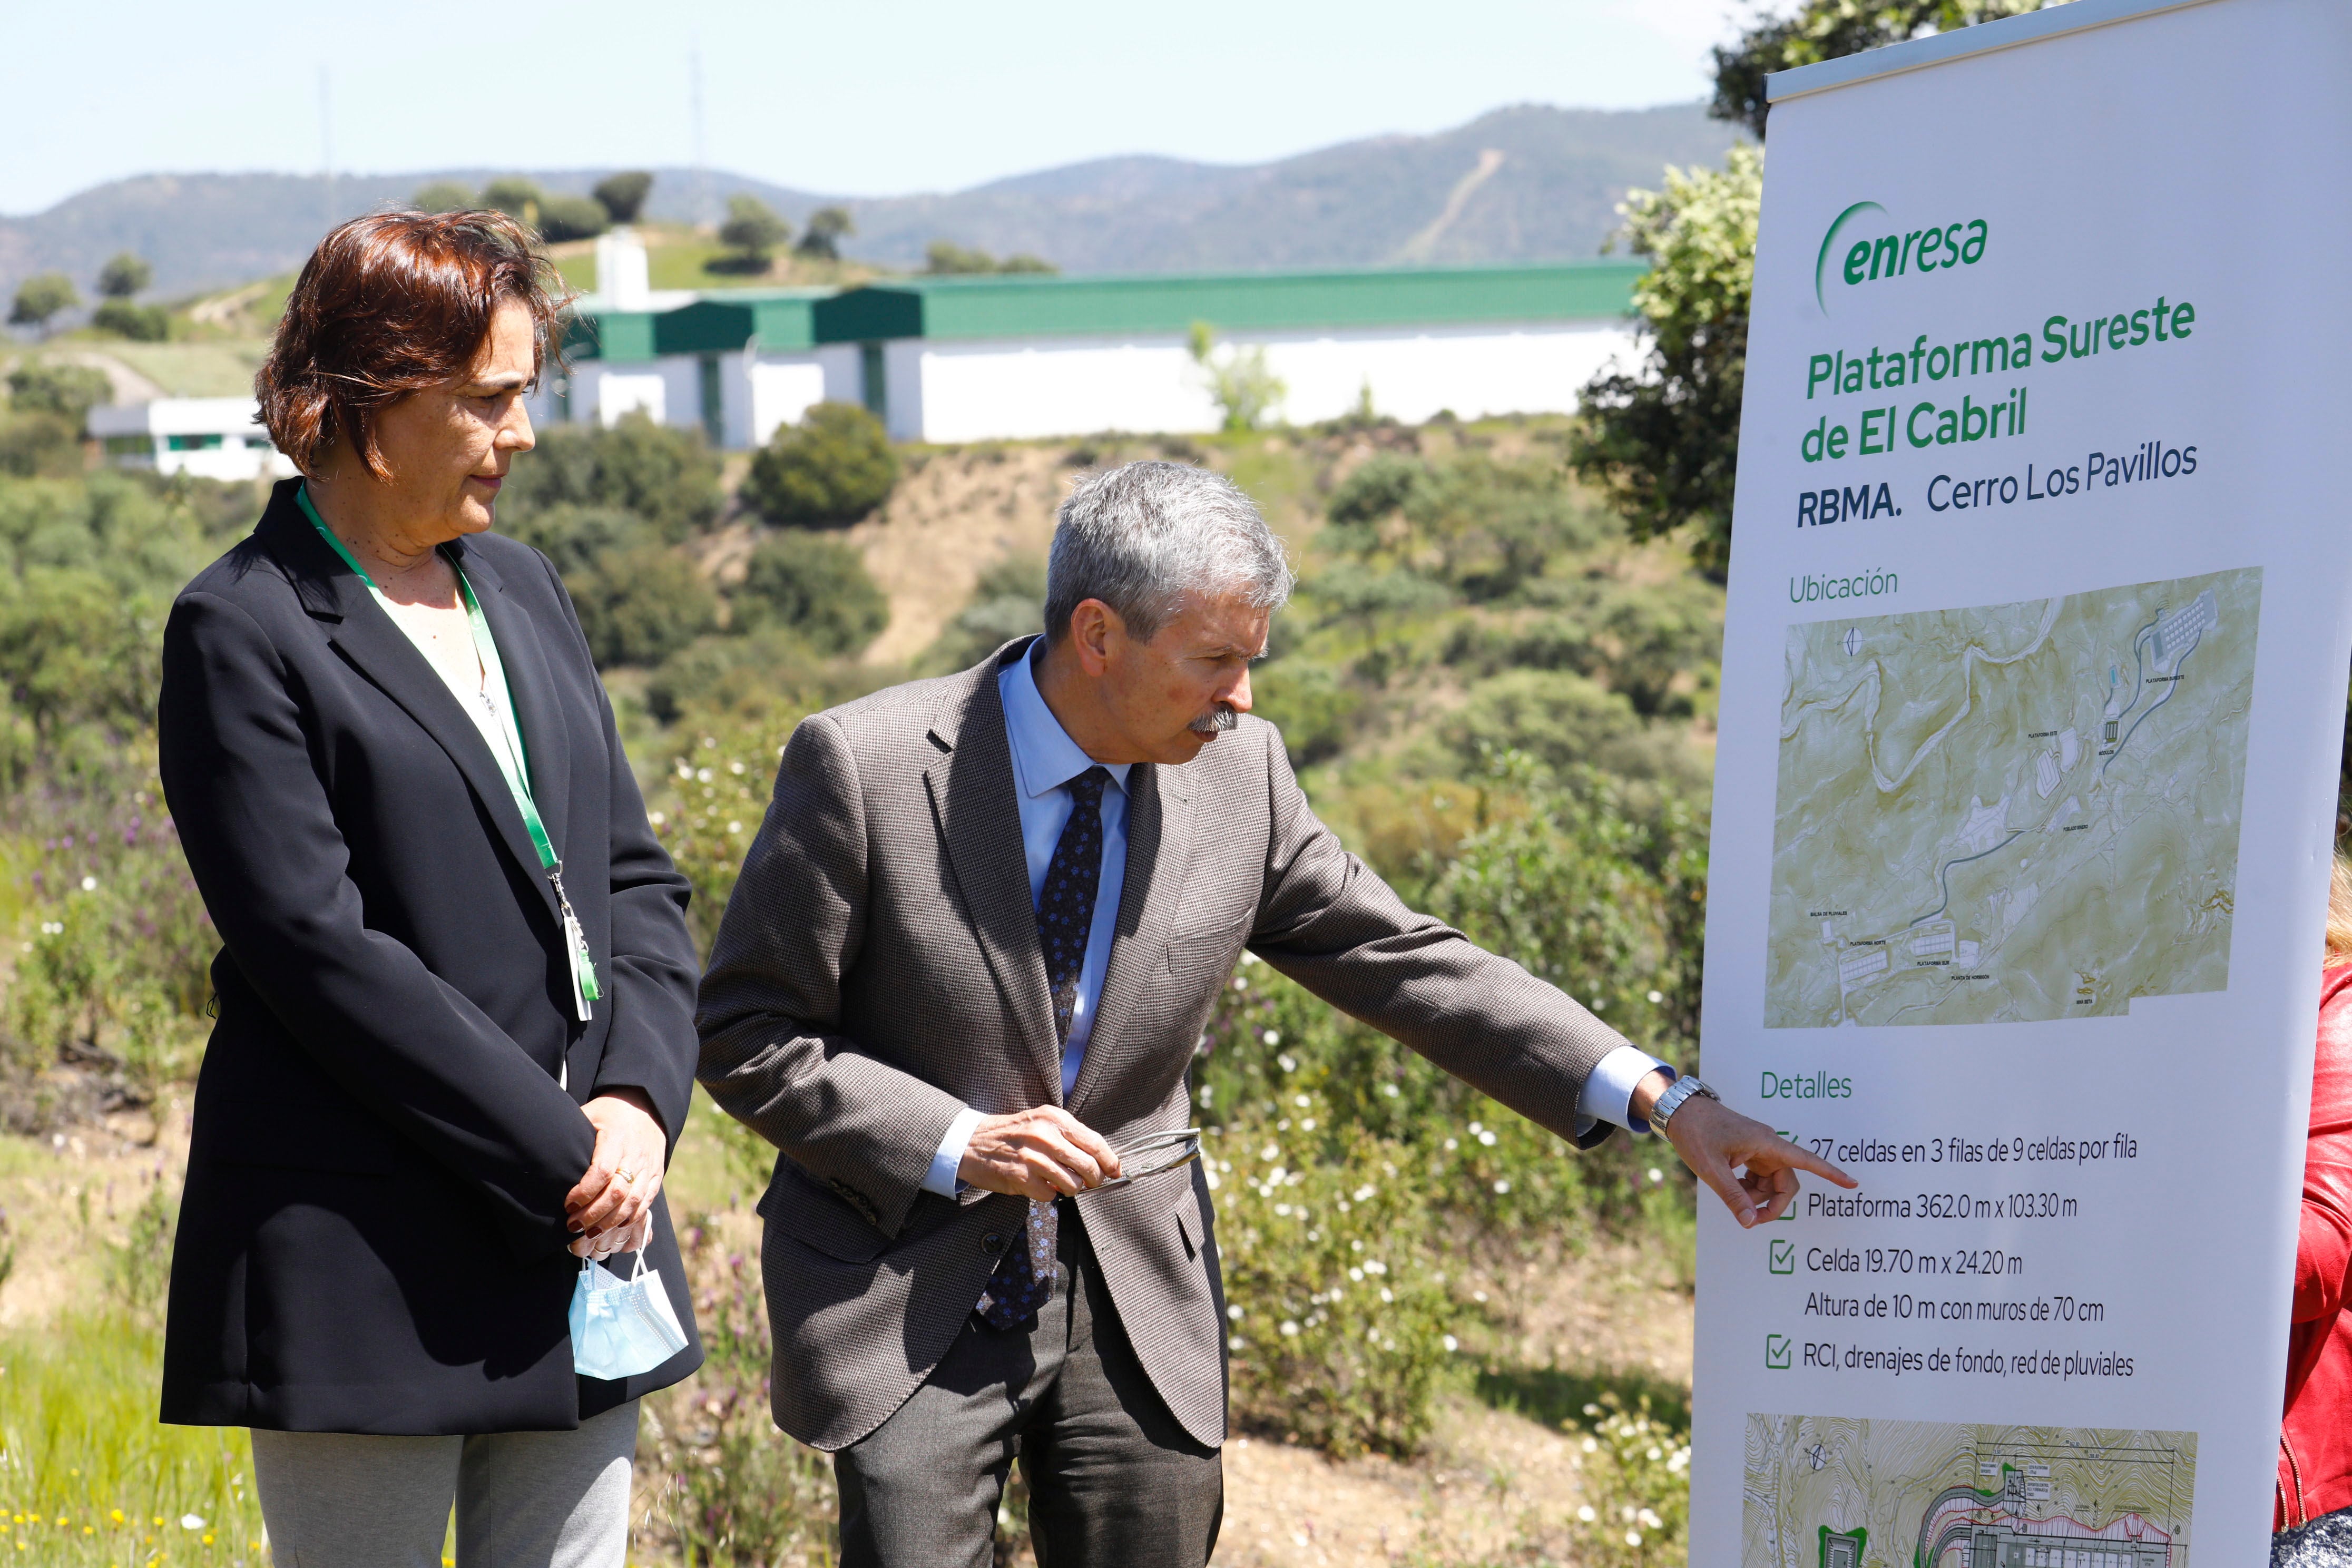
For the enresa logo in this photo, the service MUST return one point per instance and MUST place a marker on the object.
(1873, 252)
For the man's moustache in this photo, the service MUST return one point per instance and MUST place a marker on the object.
(1218, 720)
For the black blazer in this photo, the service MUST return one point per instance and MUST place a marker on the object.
(371, 1237)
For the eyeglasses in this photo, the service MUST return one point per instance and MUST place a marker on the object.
(1153, 1154)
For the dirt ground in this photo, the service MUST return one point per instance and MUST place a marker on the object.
(947, 521)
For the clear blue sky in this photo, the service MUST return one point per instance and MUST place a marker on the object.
(855, 99)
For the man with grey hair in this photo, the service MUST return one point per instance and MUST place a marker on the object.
(959, 987)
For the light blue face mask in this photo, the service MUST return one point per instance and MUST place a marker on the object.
(621, 1328)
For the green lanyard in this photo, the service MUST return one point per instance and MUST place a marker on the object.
(512, 760)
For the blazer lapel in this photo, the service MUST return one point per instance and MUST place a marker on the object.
(380, 651)
(1159, 845)
(971, 790)
(546, 739)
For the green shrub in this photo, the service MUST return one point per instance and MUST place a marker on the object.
(639, 606)
(708, 798)
(512, 195)
(50, 387)
(444, 196)
(815, 587)
(38, 446)
(117, 945)
(622, 195)
(1339, 1321)
(577, 537)
(1247, 392)
(1636, 1512)
(827, 471)
(1381, 488)
(733, 1488)
(140, 323)
(752, 234)
(125, 275)
(562, 218)
(1564, 720)
(667, 475)
(1313, 707)
(40, 297)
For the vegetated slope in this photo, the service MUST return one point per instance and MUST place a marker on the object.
(1522, 183)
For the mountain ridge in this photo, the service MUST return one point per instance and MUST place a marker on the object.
(1527, 182)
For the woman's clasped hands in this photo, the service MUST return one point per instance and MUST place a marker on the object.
(611, 1209)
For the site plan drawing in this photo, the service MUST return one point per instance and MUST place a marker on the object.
(1834, 1491)
(2011, 812)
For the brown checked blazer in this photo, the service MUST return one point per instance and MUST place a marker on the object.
(879, 969)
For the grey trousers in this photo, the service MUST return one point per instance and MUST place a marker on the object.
(524, 1500)
(1114, 1483)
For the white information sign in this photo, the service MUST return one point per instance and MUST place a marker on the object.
(2033, 683)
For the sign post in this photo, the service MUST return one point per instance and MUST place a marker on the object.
(2040, 612)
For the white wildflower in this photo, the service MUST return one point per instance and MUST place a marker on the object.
(1451, 1343)
(1290, 1329)
(1586, 1515)
(1502, 1187)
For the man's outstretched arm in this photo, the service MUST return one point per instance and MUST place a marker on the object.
(1751, 1168)
(1329, 923)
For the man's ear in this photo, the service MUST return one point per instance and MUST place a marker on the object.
(1094, 627)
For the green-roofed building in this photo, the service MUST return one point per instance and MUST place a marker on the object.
(967, 359)
(737, 362)
(1026, 355)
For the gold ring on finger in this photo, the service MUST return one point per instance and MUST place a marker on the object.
(626, 1174)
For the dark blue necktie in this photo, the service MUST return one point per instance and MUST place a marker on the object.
(1024, 1280)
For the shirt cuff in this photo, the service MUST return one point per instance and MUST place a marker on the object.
(1608, 1094)
(942, 1178)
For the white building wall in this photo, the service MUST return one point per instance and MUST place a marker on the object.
(771, 390)
(1012, 390)
(972, 386)
(239, 449)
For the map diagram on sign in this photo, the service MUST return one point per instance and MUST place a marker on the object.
(2011, 812)
(1841, 1492)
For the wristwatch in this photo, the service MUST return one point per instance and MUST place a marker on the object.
(1682, 1088)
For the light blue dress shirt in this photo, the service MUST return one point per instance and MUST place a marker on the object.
(1045, 761)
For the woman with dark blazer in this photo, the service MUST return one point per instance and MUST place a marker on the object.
(451, 1060)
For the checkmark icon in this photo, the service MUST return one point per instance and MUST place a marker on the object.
(1783, 1257)
(1776, 1352)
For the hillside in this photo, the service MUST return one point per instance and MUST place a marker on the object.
(1524, 183)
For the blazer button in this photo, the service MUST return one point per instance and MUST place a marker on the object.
(993, 1243)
